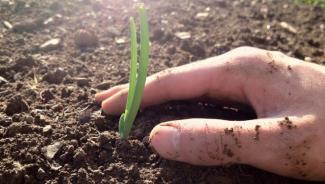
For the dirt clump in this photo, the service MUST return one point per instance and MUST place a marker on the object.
(16, 105)
(52, 131)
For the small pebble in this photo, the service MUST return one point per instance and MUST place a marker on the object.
(183, 35)
(201, 15)
(120, 40)
(308, 59)
(7, 24)
(51, 150)
(288, 27)
(47, 129)
(51, 44)
(3, 80)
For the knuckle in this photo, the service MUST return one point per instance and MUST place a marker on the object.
(165, 73)
(243, 49)
(278, 55)
(163, 78)
(247, 54)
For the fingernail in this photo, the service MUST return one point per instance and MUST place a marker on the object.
(165, 140)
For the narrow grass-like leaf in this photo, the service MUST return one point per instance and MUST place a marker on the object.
(121, 124)
(134, 99)
(133, 77)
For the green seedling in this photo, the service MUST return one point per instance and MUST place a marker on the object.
(138, 73)
(320, 3)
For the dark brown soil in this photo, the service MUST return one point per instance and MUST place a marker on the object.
(51, 131)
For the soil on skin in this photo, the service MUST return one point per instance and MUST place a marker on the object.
(51, 130)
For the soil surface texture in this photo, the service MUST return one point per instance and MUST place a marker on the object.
(55, 55)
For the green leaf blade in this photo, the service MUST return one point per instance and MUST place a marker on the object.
(121, 124)
(133, 64)
(142, 71)
(132, 80)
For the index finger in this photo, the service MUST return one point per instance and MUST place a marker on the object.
(180, 83)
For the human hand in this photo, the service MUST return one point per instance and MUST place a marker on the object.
(288, 96)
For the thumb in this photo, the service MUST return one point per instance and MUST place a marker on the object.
(263, 143)
(198, 141)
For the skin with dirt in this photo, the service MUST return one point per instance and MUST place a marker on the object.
(52, 131)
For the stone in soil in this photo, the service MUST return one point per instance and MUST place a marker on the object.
(51, 44)
(3, 80)
(47, 129)
(120, 40)
(51, 150)
(288, 27)
(7, 24)
(183, 35)
(202, 15)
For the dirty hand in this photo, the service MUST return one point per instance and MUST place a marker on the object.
(287, 94)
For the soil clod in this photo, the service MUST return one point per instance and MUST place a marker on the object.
(55, 77)
(56, 70)
(46, 95)
(84, 38)
(257, 132)
(287, 123)
(16, 105)
(27, 25)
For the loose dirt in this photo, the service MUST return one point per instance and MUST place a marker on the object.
(52, 131)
